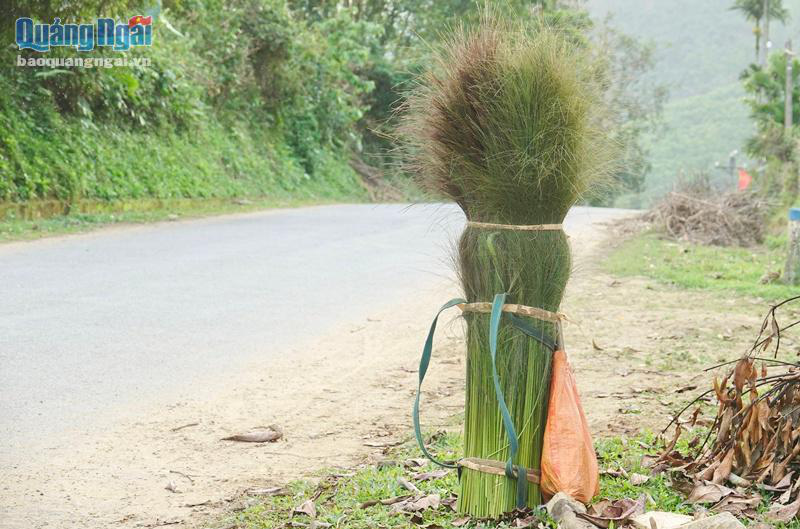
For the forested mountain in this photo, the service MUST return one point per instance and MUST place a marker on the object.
(701, 47)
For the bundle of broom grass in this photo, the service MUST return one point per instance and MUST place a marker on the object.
(507, 124)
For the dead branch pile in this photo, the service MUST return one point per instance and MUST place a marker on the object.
(731, 219)
(755, 436)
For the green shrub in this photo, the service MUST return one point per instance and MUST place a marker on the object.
(239, 98)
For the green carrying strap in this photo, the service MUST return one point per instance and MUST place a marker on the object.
(522, 473)
(423, 368)
(526, 328)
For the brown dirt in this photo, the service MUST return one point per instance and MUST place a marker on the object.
(342, 398)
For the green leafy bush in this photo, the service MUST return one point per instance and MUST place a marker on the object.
(239, 98)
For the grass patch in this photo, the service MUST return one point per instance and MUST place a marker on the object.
(694, 266)
(338, 501)
(627, 454)
(666, 494)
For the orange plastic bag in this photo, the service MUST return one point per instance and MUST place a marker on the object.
(569, 463)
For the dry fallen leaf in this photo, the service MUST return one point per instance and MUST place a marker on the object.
(722, 472)
(649, 461)
(784, 513)
(743, 372)
(615, 473)
(198, 504)
(738, 505)
(709, 493)
(382, 444)
(695, 415)
(434, 474)
(268, 435)
(673, 442)
(526, 522)
(450, 502)
(783, 484)
(738, 481)
(431, 501)
(415, 462)
(418, 503)
(784, 498)
(403, 482)
(387, 501)
(269, 491)
(307, 507)
(605, 512)
(386, 463)
(638, 479)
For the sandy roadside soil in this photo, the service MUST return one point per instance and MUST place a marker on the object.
(342, 398)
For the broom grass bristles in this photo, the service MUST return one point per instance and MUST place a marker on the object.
(507, 124)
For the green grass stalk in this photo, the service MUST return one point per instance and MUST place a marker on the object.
(490, 263)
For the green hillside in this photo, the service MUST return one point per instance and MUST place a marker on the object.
(701, 49)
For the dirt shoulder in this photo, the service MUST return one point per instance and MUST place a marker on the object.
(342, 398)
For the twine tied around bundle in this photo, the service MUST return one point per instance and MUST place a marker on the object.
(515, 227)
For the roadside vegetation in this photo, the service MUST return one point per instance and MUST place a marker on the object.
(353, 498)
(744, 271)
(239, 100)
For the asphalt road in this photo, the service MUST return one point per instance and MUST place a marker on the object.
(95, 322)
